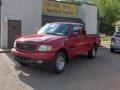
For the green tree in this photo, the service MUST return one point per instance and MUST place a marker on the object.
(108, 13)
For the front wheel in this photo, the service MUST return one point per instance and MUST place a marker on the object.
(112, 50)
(59, 63)
(92, 52)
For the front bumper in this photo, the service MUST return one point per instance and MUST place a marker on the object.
(32, 61)
(34, 56)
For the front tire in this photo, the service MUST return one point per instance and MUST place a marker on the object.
(59, 63)
(92, 52)
(112, 50)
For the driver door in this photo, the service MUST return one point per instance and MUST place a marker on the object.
(75, 41)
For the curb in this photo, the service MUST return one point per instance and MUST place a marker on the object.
(4, 51)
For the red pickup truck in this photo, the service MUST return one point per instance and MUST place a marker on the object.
(54, 44)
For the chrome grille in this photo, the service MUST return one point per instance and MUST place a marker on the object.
(27, 46)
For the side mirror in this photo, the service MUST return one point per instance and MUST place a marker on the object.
(36, 30)
(75, 34)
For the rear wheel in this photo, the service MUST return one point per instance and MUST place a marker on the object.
(92, 52)
(59, 63)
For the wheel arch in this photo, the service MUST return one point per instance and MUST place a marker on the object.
(65, 52)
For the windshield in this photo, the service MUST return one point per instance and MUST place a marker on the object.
(54, 29)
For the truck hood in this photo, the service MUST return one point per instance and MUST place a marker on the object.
(44, 38)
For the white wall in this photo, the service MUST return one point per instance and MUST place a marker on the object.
(29, 11)
(89, 16)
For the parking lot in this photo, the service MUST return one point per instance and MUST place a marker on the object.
(101, 73)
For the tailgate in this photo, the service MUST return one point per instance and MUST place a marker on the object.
(95, 38)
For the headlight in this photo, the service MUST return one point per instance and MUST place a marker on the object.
(45, 48)
(15, 44)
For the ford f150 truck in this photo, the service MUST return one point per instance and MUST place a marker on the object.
(54, 44)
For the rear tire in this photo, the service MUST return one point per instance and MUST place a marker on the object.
(59, 63)
(92, 52)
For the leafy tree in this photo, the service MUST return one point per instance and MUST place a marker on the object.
(108, 13)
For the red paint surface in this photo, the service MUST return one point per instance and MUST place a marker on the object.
(74, 45)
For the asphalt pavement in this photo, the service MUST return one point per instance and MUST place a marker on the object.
(101, 73)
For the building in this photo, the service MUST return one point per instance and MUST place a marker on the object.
(22, 17)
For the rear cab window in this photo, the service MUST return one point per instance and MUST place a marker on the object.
(79, 29)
